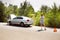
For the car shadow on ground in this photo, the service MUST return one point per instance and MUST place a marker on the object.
(19, 26)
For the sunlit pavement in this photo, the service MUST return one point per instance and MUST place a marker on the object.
(27, 33)
(32, 28)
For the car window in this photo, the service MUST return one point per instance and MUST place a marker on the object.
(15, 18)
(18, 18)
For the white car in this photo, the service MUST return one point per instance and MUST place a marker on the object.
(21, 20)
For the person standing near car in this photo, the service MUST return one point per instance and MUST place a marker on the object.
(42, 21)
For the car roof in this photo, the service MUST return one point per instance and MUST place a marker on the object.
(22, 16)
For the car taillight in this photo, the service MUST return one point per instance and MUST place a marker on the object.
(27, 20)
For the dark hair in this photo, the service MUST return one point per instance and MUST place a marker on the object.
(41, 14)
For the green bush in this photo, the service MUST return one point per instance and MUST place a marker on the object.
(51, 20)
(37, 19)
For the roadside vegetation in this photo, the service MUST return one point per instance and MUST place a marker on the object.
(52, 15)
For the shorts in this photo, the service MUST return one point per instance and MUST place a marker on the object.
(41, 21)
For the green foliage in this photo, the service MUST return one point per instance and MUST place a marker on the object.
(51, 20)
(26, 9)
(54, 17)
(2, 14)
(15, 9)
(30, 11)
(11, 9)
(44, 9)
(37, 18)
(23, 9)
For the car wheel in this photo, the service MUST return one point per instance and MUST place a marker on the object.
(9, 22)
(22, 24)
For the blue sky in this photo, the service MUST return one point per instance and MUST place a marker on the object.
(35, 3)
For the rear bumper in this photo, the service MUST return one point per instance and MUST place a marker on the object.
(29, 22)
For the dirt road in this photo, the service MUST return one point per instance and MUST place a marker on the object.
(22, 33)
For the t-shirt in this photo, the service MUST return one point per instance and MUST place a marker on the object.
(42, 18)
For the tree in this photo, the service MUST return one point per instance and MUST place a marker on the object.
(59, 9)
(54, 9)
(9, 10)
(44, 9)
(15, 10)
(2, 12)
(30, 11)
(53, 16)
(26, 9)
(23, 8)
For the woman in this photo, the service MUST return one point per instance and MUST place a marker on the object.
(42, 21)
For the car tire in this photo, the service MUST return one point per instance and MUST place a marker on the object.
(22, 24)
(9, 22)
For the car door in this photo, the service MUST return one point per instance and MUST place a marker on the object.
(14, 20)
(17, 20)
